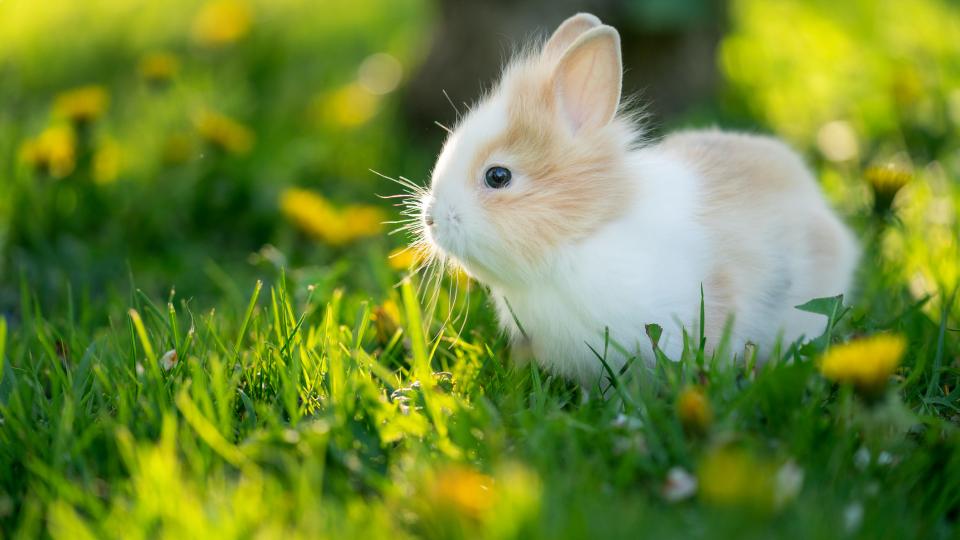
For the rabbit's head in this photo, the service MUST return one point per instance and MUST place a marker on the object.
(539, 163)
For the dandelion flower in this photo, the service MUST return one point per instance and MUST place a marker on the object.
(463, 490)
(733, 476)
(886, 182)
(694, 410)
(159, 67)
(224, 133)
(404, 258)
(865, 363)
(318, 217)
(308, 210)
(52, 152)
(222, 22)
(386, 321)
(106, 162)
(460, 276)
(82, 105)
(349, 106)
(364, 220)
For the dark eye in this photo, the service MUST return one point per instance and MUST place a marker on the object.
(498, 177)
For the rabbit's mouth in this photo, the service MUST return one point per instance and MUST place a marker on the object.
(450, 240)
(443, 236)
(442, 227)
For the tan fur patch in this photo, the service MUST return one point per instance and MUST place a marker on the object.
(575, 184)
(738, 166)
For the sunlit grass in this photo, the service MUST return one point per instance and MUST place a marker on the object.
(206, 331)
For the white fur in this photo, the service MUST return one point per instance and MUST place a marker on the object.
(643, 268)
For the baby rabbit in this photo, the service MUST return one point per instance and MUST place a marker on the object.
(546, 194)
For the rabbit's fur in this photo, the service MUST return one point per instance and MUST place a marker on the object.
(598, 230)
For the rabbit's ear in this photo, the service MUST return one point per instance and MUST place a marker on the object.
(588, 78)
(568, 31)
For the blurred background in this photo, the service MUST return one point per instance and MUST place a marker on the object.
(200, 145)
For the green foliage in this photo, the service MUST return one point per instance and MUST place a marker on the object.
(196, 135)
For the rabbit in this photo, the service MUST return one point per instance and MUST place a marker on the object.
(547, 193)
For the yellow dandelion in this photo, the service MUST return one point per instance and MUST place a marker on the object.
(386, 320)
(694, 410)
(31, 154)
(349, 106)
(106, 162)
(159, 67)
(865, 363)
(462, 490)
(308, 210)
(404, 258)
(732, 476)
(885, 182)
(83, 104)
(363, 220)
(221, 22)
(318, 217)
(460, 276)
(224, 132)
(52, 152)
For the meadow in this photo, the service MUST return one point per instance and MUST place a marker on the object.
(208, 331)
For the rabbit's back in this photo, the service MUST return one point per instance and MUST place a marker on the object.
(775, 241)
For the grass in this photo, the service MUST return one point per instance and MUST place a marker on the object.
(287, 413)
(201, 335)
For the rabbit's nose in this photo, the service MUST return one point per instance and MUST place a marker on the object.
(428, 215)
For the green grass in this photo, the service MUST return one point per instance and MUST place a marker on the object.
(289, 413)
(314, 396)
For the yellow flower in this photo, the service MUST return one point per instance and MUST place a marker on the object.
(106, 162)
(463, 490)
(307, 209)
(460, 276)
(733, 476)
(885, 182)
(460, 501)
(221, 22)
(224, 132)
(363, 220)
(404, 258)
(159, 67)
(52, 152)
(866, 363)
(318, 217)
(349, 106)
(694, 410)
(83, 104)
(386, 320)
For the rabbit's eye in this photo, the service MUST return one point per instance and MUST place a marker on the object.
(498, 177)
